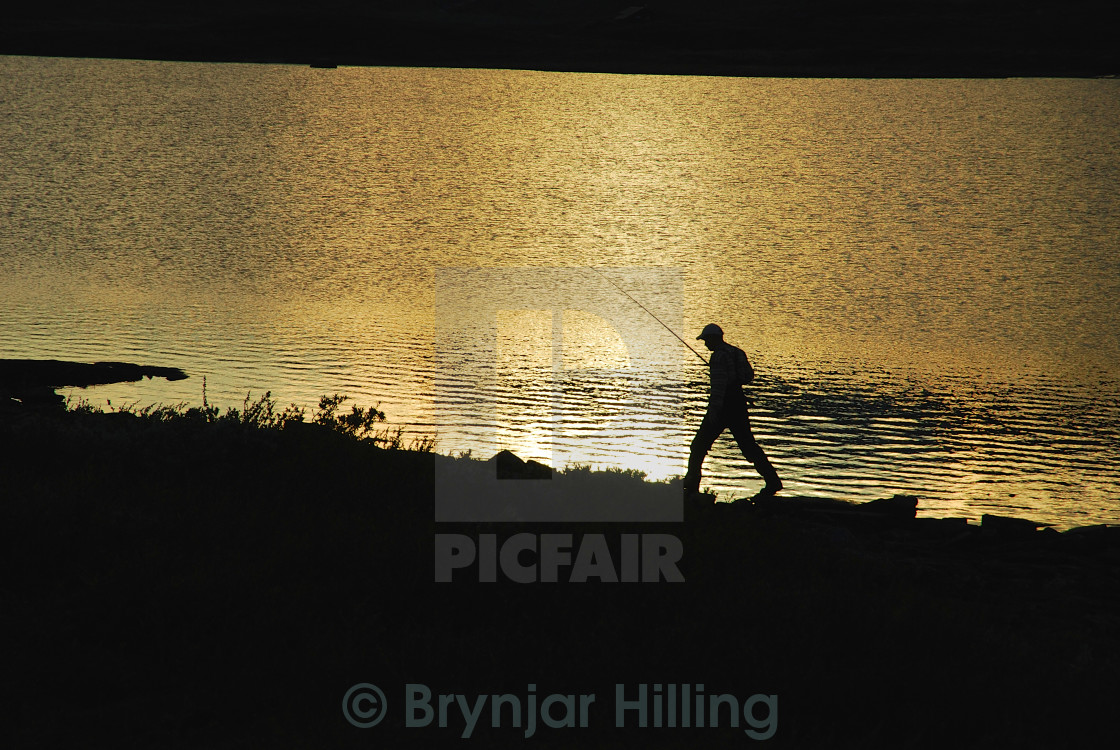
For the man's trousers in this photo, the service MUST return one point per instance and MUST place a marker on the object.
(738, 421)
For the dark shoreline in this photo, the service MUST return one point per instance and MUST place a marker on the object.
(202, 582)
(797, 38)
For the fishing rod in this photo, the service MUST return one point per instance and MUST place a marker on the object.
(639, 304)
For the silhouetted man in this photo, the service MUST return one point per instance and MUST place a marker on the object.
(727, 409)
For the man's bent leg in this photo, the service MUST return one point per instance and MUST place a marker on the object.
(752, 451)
(706, 435)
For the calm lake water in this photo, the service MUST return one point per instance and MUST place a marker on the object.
(924, 273)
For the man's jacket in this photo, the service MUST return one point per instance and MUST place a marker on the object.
(730, 371)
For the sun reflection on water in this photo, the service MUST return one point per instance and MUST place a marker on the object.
(922, 271)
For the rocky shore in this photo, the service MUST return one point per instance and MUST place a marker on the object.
(33, 383)
(183, 578)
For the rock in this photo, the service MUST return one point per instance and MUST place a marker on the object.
(509, 466)
(1098, 538)
(942, 528)
(32, 382)
(1008, 526)
(535, 470)
(900, 506)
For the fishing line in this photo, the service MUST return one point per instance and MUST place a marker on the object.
(639, 304)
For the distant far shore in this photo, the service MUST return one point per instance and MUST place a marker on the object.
(797, 38)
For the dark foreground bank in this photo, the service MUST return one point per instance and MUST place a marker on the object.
(180, 579)
(714, 37)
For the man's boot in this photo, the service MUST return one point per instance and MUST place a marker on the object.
(766, 469)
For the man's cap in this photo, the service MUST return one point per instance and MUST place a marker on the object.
(710, 330)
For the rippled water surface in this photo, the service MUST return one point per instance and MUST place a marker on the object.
(925, 274)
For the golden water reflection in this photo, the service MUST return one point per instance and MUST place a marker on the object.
(281, 228)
